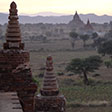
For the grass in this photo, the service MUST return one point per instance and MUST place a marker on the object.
(88, 93)
(90, 109)
(78, 92)
(95, 96)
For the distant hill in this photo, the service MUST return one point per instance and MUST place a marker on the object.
(57, 18)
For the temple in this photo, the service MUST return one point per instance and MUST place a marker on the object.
(49, 99)
(88, 29)
(88, 26)
(76, 22)
(15, 73)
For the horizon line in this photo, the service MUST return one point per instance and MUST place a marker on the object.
(54, 14)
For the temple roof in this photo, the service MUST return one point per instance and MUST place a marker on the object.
(88, 26)
(76, 21)
(76, 17)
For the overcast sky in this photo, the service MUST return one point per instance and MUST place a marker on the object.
(98, 7)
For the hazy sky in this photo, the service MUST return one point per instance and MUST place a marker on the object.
(99, 7)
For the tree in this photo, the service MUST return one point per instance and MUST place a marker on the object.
(74, 37)
(98, 42)
(108, 63)
(84, 38)
(105, 48)
(94, 35)
(108, 34)
(83, 66)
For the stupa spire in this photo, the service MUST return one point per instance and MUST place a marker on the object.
(88, 26)
(88, 22)
(76, 16)
(76, 22)
(13, 35)
(50, 87)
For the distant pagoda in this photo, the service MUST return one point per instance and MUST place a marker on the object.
(76, 22)
(88, 26)
(49, 99)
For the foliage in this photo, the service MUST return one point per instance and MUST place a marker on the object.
(84, 38)
(100, 91)
(108, 63)
(105, 48)
(89, 64)
(99, 41)
(108, 35)
(60, 73)
(35, 80)
(83, 66)
(94, 35)
(73, 36)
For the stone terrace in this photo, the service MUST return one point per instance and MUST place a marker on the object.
(9, 102)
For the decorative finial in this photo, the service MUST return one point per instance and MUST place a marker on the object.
(13, 10)
(13, 5)
(49, 63)
(76, 12)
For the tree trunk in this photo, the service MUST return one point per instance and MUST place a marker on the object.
(73, 44)
(86, 82)
(84, 45)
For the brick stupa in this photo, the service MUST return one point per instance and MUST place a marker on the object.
(49, 99)
(13, 35)
(15, 73)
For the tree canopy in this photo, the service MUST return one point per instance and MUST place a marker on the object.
(105, 48)
(74, 35)
(84, 38)
(94, 35)
(83, 66)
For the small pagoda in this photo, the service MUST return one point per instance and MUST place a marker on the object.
(49, 99)
(88, 26)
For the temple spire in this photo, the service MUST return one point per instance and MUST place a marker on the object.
(88, 26)
(76, 22)
(50, 87)
(13, 35)
(88, 22)
(76, 16)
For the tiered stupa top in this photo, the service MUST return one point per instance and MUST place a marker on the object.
(50, 86)
(13, 35)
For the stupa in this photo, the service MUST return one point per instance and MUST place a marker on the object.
(49, 99)
(15, 72)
